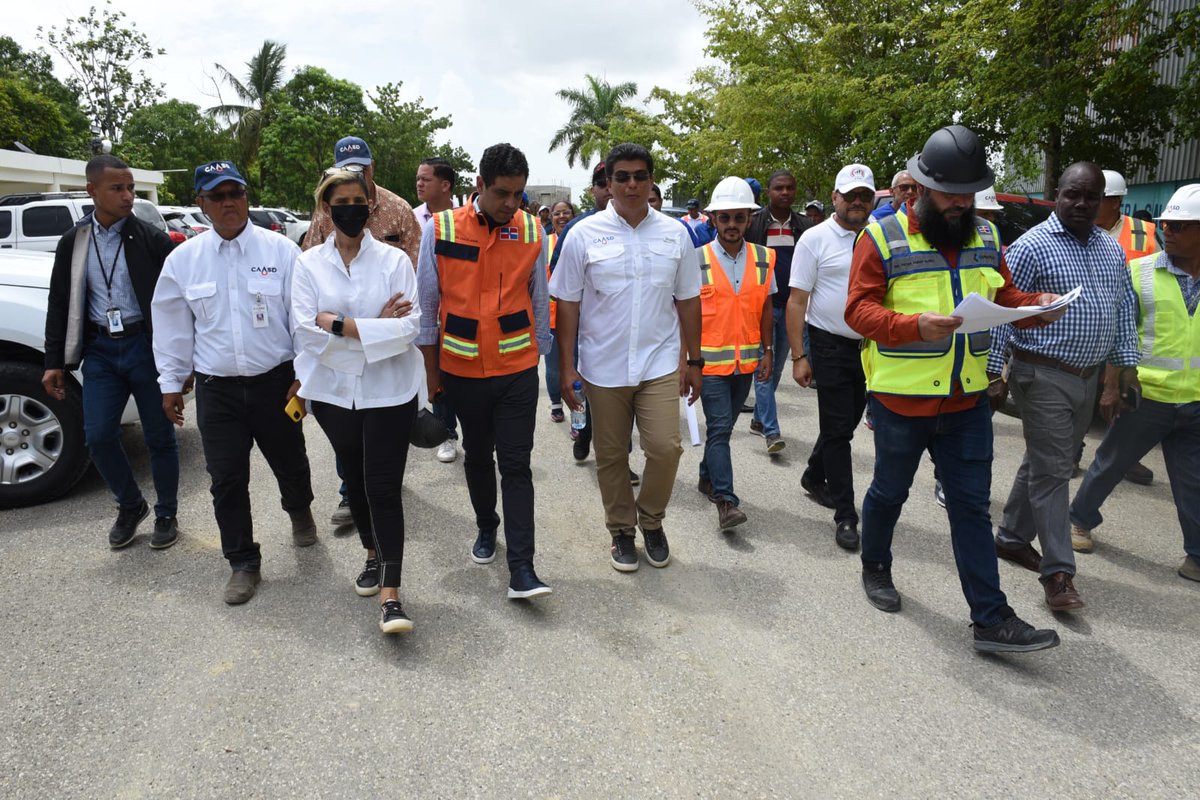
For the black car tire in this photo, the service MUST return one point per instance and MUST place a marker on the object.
(24, 409)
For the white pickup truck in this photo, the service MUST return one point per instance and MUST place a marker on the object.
(36, 221)
(42, 448)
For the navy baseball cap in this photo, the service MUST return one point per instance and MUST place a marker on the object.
(217, 172)
(351, 150)
(693, 203)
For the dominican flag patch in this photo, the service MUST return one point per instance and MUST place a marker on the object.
(510, 233)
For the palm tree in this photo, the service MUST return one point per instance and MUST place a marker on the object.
(593, 109)
(264, 76)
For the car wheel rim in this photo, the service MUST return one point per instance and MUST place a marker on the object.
(31, 439)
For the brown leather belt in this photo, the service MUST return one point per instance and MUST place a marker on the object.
(1046, 361)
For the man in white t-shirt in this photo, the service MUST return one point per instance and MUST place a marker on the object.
(628, 282)
(820, 281)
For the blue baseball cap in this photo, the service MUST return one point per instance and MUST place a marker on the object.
(351, 150)
(755, 187)
(217, 172)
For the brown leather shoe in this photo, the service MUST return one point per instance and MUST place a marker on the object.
(1060, 592)
(1025, 556)
(729, 515)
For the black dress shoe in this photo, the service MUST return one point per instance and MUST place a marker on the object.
(581, 447)
(125, 528)
(847, 535)
(819, 492)
(881, 592)
(1140, 474)
(1025, 556)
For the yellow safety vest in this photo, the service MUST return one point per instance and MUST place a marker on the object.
(1170, 338)
(919, 279)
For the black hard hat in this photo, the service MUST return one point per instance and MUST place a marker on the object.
(952, 161)
(428, 430)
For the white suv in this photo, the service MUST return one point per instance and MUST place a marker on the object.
(37, 221)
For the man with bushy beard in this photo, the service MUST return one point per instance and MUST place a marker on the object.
(928, 383)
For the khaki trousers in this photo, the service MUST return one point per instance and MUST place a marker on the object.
(655, 405)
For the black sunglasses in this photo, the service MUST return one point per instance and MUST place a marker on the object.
(641, 176)
(1177, 226)
(229, 194)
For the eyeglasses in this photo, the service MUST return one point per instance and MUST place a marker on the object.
(641, 176)
(229, 194)
(865, 195)
(738, 218)
(904, 187)
(1178, 226)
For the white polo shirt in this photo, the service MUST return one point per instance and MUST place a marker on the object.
(379, 368)
(205, 302)
(626, 281)
(821, 267)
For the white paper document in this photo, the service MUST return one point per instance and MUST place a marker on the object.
(979, 314)
(692, 423)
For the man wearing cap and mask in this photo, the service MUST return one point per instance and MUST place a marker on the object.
(1053, 369)
(737, 281)
(927, 381)
(819, 282)
(1168, 293)
(222, 310)
(391, 221)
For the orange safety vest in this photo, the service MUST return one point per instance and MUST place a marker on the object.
(486, 312)
(551, 241)
(731, 322)
(1137, 238)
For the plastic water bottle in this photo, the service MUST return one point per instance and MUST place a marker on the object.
(579, 418)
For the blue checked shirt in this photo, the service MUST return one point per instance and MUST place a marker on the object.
(1189, 286)
(1101, 325)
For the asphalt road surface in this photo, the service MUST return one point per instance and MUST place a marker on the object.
(751, 667)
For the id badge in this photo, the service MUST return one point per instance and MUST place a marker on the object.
(258, 312)
(114, 321)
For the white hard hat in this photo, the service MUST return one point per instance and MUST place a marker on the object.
(986, 200)
(1114, 184)
(1184, 205)
(732, 193)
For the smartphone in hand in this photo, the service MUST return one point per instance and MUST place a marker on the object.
(295, 409)
(1132, 397)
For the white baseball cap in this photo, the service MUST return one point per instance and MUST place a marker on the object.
(854, 176)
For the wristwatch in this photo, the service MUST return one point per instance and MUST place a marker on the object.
(695, 362)
(766, 348)
(339, 323)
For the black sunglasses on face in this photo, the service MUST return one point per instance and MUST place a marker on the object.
(739, 218)
(641, 176)
(1177, 226)
(221, 197)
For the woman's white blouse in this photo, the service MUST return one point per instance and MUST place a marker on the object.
(381, 367)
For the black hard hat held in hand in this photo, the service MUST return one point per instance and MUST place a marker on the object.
(952, 161)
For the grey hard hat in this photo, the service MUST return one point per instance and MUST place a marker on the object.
(952, 161)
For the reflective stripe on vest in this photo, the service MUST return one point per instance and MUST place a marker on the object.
(459, 346)
(1169, 367)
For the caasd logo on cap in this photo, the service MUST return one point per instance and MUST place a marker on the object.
(219, 166)
(349, 148)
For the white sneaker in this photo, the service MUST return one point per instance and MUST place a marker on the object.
(447, 451)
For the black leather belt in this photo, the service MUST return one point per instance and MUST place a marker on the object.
(274, 373)
(1047, 361)
(131, 328)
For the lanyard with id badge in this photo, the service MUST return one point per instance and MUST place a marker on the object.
(258, 311)
(116, 327)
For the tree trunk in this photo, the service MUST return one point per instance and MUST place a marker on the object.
(1052, 164)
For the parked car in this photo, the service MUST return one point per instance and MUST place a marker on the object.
(177, 229)
(190, 216)
(265, 219)
(36, 220)
(1019, 215)
(285, 218)
(298, 231)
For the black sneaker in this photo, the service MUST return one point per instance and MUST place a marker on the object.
(367, 582)
(125, 528)
(624, 553)
(847, 536)
(166, 533)
(881, 592)
(658, 552)
(1013, 635)
(524, 584)
(392, 618)
(581, 448)
(342, 515)
(756, 426)
(634, 479)
(817, 491)
(484, 549)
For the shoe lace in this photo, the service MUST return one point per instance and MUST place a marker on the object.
(391, 607)
(623, 545)
(370, 568)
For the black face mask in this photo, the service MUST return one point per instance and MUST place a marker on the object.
(350, 219)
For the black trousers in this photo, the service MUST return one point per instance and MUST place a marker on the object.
(841, 398)
(233, 415)
(372, 447)
(498, 416)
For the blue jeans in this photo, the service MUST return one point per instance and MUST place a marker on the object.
(962, 443)
(764, 391)
(1133, 435)
(722, 397)
(553, 387)
(114, 369)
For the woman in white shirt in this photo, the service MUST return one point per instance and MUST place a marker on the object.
(357, 366)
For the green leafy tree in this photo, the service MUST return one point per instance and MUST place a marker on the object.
(311, 112)
(102, 55)
(247, 117)
(463, 165)
(29, 83)
(1185, 35)
(400, 134)
(593, 110)
(173, 136)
